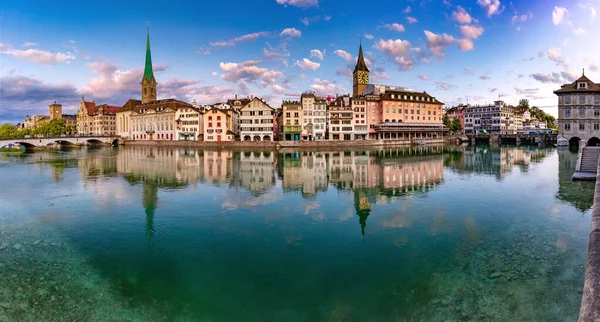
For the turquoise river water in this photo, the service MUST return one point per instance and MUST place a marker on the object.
(479, 233)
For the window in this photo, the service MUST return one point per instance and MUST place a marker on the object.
(581, 127)
(581, 99)
(567, 99)
(568, 112)
(596, 127)
(596, 112)
(581, 112)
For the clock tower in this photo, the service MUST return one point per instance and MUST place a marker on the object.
(360, 76)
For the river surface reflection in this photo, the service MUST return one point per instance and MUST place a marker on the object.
(436, 233)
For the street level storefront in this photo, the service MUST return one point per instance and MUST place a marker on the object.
(410, 132)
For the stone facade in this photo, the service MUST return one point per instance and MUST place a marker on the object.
(95, 119)
(579, 111)
(341, 115)
(124, 119)
(217, 125)
(314, 117)
(497, 118)
(256, 121)
(189, 124)
(292, 120)
(156, 120)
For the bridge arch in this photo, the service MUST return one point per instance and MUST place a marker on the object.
(593, 141)
(64, 142)
(94, 141)
(574, 140)
(26, 145)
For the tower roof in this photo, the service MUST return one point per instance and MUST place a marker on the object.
(360, 64)
(148, 73)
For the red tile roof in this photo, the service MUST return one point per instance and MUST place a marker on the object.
(92, 108)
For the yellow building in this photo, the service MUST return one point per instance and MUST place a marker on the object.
(292, 120)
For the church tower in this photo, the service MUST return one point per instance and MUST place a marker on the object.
(148, 82)
(360, 78)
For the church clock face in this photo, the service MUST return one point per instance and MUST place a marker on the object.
(363, 78)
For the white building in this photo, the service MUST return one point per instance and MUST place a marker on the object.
(256, 121)
(359, 108)
(188, 124)
(341, 115)
(497, 118)
(314, 117)
(579, 111)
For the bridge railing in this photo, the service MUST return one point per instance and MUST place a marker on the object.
(45, 137)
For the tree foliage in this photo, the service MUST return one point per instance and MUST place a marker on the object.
(54, 127)
(453, 124)
(536, 112)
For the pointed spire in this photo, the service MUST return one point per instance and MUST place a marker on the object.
(148, 73)
(583, 72)
(360, 63)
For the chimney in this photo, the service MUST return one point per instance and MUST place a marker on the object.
(236, 97)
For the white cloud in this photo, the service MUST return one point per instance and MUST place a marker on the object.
(444, 86)
(411, 20)
(394, 27)
(317, 54)
(465, 44)
(559, 15)
(557, 78)
(471, 31)
(407, 10)
(522, 18)
(555, 56)
(249, 72)
(461, 15)
(37, 56)
(526, 91)
(436, 43)
(305, 21)
(305, 64)
(579, 32)
(469, 71)
(291, 32)
(592, 9)
(234, 41)
(369, 36)
(423, 76)
(594, 67)
(299, 3)
(215, 73)
(344, 54)
(493, 7)
(323, 86)
(29, 44)
(278, 89)
(398, 51)
(484, 77)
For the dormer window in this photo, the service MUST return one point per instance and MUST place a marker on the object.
(582, 85)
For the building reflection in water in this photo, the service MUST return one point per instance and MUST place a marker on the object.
(373, 176)
(493, 159)
(579, 194)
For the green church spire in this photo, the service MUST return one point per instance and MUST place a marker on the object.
(148, 68)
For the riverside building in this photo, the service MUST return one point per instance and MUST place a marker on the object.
(579, 111)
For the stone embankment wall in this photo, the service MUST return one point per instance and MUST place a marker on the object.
(282, 144)
(590, 304)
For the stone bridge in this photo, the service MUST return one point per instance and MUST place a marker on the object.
(63, 141)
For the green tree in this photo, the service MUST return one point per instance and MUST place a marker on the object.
(446, 120)
(7, 131)
(523, 105)
(456, 126)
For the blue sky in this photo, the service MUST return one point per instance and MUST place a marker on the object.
(473, 50)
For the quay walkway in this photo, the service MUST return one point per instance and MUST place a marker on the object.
(588, 164)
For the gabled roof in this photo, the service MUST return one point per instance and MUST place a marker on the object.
(570, 88)
(256, 99)
(92, 108)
